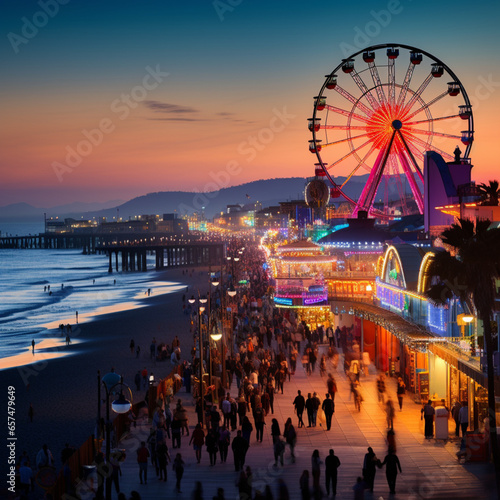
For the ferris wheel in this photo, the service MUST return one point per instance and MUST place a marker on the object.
(377, 113)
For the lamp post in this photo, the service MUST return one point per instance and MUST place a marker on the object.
(121, 405)
(201, 309)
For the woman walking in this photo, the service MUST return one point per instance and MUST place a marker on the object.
(224, 439)
(401, 392)
(211, 442)
(290, 436)
(316, 472)
(198, 439)
(391, 471)
(178, 467)
(304, 485)
(275, 430)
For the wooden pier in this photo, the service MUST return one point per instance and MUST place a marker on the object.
(133, 257)
(128, 249)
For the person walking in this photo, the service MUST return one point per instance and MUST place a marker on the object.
(390, 413)
(224, 440)
(290, 437)
(175, 427)
(178, 467)
(391, 461)
(299, 403)
(211, 442)
(381, 388)
(370, 464)
(328, 407)
(400, 391)
(162, 457)
(332, 463)
(304, 485)
(246, 429)
(244, 486)
(331, 386)
(316, 473)
(260, 421)
(455, 411)
(428, 414)
(463, 417)
(316, 403)
(142, 460)
(239, 447)
(275, 430)
(31, 412)
(279, 450)
(198, 440)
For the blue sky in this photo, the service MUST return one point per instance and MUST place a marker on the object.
(232, 63)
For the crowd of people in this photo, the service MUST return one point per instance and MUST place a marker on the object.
(267, 344)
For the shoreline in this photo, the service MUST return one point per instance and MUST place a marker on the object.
(51, 334)
(63, 390)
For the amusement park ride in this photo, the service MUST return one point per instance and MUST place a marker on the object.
(373, 115)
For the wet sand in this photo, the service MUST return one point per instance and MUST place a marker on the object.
(63, 389)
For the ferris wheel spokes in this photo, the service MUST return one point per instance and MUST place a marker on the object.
(433, 119)
(364, 89)
(411, 180)
(348, 154)
(346, 113)
(434, 133)
(410, 154)
(370, 190)
(391, 78)
(353, 100)
(425, 145)
(428, 105)
(406, 84)
(377, 82)
(418, 92)
(346, 139)
(360, 163)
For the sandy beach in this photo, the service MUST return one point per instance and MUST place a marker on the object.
(63, 390)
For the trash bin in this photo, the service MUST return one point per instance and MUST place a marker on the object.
(441, 422)
(476, 446)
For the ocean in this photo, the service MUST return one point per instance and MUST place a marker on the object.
(30, 311)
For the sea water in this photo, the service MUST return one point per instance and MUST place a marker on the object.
(30, 311)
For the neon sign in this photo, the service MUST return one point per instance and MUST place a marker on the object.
(314, 300)
(283, 301)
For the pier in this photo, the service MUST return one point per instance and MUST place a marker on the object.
(129, 250)
(168, 255)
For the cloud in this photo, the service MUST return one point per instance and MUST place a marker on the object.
(179, 119)
(181, 113)
(165, 107)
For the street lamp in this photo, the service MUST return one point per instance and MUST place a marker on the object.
(201, 308)
(120, 405)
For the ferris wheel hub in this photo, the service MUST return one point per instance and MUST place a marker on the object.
(397, 124)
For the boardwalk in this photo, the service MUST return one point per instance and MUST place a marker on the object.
(430, 468)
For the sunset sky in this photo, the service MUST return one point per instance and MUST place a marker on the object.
(180, 88)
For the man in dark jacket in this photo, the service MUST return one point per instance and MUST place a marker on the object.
(299, 402)
(239, 447)
(391, 471)
(309, 408)
(328, 407)
(332, 463)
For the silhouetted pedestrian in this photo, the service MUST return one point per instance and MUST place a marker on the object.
(391, 461)
(332, 463)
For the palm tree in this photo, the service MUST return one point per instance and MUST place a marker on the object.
(490, 193)
(469, 272)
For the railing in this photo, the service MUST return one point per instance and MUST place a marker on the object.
(83, 456)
